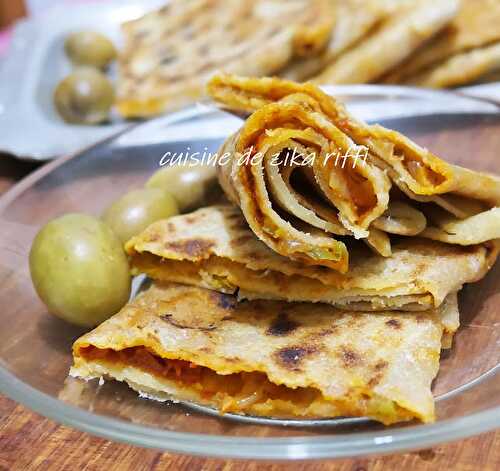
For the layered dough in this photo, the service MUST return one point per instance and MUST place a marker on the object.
(307, 175)
(267, 358)
(393, 40)
(354, 19)
(214, 248)
(466, 51)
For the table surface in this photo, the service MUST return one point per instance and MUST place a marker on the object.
(29, 441)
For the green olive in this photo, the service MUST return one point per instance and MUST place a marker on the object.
(79, 269)
(189, 185)
(84, 97)
(136, 210)
(90, 48)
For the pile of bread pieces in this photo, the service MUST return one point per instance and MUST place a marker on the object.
(171, 53)
(326, 285)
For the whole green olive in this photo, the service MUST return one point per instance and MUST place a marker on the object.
(90, 48)
(189, 185)
(79, 269)
(84, 97)
(136, 210)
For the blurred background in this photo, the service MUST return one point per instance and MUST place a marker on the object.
(73, 72)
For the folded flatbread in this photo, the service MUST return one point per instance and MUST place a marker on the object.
(461, 69)
(170, 53)
(392, 41)
(306, 174)
(353, 20)
(214, 248)
(267, 358)
(466, 50)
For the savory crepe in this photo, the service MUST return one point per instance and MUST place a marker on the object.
(306, 174)
(465, 50)
(214, 248)
(267, 358)
(170, 53)
(392, 41)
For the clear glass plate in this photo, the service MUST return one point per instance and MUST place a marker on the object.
(35, 347)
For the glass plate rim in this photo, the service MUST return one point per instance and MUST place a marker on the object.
(283, 448)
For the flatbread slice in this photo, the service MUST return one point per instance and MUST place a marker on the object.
(266, 358)
(170, 53)
(276, 134)
(460, 69)
(409, 165)
(350, 178)
(353, 20)
(475, 229)
(468, 42)
(390, 43)
(214, 248)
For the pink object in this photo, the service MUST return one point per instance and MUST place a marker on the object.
(5, 35)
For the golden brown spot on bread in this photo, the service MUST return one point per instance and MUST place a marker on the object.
(379, 369)
(374, 380)
(241, 240)
(419, 269)
(291, 357)
(233, 360)
(191, 247)
(380, 365)
(282, 326)
(349, 357)
(322, 333)
(169, 318)
(224, 301)
(394, 323)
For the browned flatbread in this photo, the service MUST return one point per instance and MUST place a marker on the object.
(303, 209)
(461, 69)
(267, 358)
(214, 248)
(390, 43)
(170, 53)
(354, 20)
(462, 53)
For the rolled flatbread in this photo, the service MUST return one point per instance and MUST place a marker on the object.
(363, 181)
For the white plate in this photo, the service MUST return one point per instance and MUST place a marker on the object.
(30, 128)
(486, 91)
